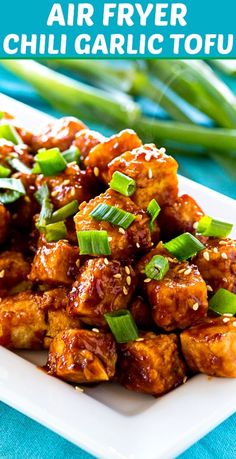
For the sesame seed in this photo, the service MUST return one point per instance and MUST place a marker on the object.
(121, 230)
(127, 270)
(185, 379)
(227, 314)
(54, 193)
(109, 238)
(234, 323)
(206, 256)
(72, 192)
(195, 225)
(96, 171)
(224, 256)
(162, 150)
(138, 245)
(148, 156)
(187, 271)
(2, 273)
(117, 276)
(27, 199)
(79, 389)
(195, 306)
(125, 291)
(73, 163)
(66, 182)
(222, 242)
(78, 263)
(149, 173)
(106, 261)
(95, 330)
(128, 280)
(215, 250)
(224, 279)
(181, 271)
(147, 280)
(209, 288)
(226, 319)
(139, 339)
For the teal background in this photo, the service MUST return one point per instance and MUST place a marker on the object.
(22, 438)
(203, 17)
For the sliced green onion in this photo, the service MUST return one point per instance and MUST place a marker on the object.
(184, 246)
(15, 189)
(208, 226)
(157, 267)
(4, 172)
(55, 231)
(36, 169)
(93, 243)
(64, 212)
(8, 132)
(123, 184)
(71, 155)
(51, 161)
(113, 215)
(43, 198)
(153, 209)
(2, 114)
(223, 302)
(19, 166)
(122, 325)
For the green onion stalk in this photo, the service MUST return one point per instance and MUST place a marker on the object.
(196, 82)
(130, 78)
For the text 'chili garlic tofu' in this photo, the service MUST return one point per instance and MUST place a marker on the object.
(82, 356)
(99, 157)
(152, 364)
(210, 347)
(154, 172)
(217, 264)
(123, 243)
(180, 298)
(102, 286)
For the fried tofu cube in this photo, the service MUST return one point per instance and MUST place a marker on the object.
(58, 133)
(154, 172)
(180, 298)
(99, 157)
(179, 217)
(58, 321)
(22, 321)
(73, 183)
(102, 286)
(13, 269)
(54, 263)
(5, 219)
(8, 150)
(86, 139)
(217, 264)
(152, 364)
(210, 347)
(82, 356)
(142, 313)
(123, 243)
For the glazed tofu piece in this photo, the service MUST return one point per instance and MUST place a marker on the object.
(152, 364)
(13, 270)
(54, 263)
(22, 322)
(179, 217)
(155, 174)
(71, 184)
(180, 298)
(217, 264)
(5, 220)
(124, 244)
(82, 356)
(99, 157)
(102, 286)
(142, 313)
(30, 320)
(86, 139)
(9, 150)
(210, 347)
(58, 133)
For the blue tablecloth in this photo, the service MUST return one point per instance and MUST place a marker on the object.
(22, 438)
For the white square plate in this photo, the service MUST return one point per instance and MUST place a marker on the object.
(107, 420)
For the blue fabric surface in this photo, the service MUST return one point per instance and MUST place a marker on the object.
(22, 438)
